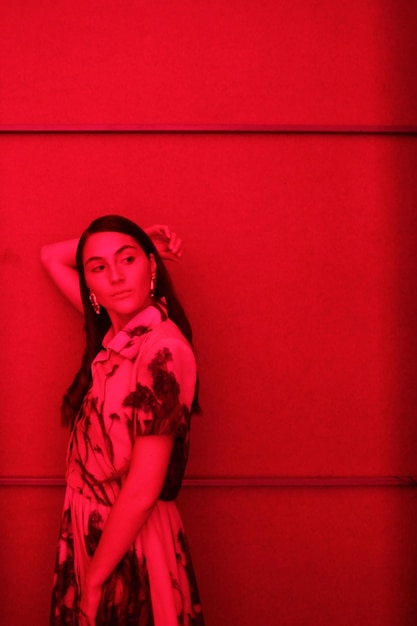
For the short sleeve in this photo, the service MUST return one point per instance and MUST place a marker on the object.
(164, 389)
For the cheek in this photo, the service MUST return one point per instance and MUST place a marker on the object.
(92, 281)
(98, 285)
(142, 280)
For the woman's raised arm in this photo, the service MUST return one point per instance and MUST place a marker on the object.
(59, 259)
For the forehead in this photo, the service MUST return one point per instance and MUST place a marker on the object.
(107, 244)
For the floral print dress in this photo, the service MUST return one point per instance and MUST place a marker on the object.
(143, 385)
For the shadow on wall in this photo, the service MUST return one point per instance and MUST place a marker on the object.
(399, 184)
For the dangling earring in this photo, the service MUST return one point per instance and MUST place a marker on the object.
(153, 283)
(94, 303)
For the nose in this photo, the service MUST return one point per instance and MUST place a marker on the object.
(115, 273)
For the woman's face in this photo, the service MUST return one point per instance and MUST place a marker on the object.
(119, 273)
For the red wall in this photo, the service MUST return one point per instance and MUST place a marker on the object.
(219, 62)
(299, 278)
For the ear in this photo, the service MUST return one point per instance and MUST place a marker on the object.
(152, 263)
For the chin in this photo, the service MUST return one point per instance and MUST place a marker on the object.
(128, 308)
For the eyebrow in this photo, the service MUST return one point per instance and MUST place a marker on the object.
(119, 251)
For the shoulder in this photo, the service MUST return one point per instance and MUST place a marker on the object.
(168, 359)
(168, 334)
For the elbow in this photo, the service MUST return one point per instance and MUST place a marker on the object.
(143, 503)
(140, 501)
(138, 508)
(146, 507)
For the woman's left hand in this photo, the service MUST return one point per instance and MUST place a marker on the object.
(90, 601)
(169, 245)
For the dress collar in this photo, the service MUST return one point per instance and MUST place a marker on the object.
(125, 341)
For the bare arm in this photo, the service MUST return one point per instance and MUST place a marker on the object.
(132, 508)
(59, 259)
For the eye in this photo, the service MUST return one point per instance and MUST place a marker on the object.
(97, 268)
(127, 260)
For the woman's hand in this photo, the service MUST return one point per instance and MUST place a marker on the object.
(90, 601)
(169, 245)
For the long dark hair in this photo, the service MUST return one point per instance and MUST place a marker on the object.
(96, 326)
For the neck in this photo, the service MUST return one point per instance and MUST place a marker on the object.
(119, 320)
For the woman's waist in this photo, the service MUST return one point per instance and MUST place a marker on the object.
(94, 483)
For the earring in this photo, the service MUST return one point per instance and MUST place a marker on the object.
(153, 284)
(94, 303)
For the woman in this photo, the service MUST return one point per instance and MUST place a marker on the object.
(123, 557)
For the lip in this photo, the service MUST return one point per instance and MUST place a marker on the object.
(121, 294)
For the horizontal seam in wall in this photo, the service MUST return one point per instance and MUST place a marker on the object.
(212, 128)
(243, 481)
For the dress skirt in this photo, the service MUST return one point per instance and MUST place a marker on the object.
(153, 585)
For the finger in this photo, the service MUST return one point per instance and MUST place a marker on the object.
(179, 249)
(159, 230)
(172, 241)
(176, 245)
(163, 230)
(169, 256)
